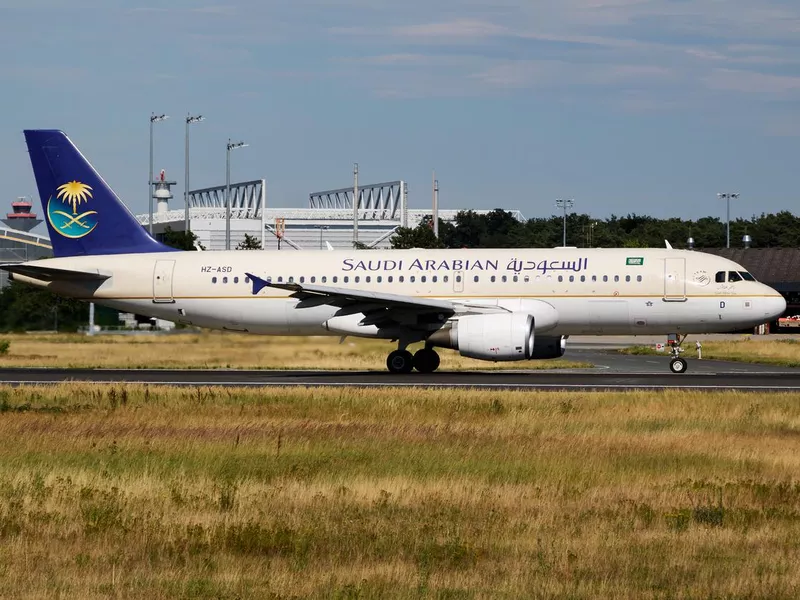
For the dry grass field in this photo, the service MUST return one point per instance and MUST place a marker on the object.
(213, 350)
(134, 492)
(782, 352)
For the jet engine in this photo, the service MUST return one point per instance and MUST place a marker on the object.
(551, 346)
(498, 337)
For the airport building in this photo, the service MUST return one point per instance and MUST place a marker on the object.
(17, 243)
(328, 219)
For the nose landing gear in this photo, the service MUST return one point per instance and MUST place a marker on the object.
(677, 364)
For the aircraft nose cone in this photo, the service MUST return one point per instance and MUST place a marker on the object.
(774, 306)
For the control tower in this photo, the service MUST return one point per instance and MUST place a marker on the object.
(21, 218)
(162, 192)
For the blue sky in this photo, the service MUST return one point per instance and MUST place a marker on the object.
(647, 106)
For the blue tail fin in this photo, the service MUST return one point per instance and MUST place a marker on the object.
(84, 216)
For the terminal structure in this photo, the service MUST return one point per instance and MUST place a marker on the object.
(326, 221)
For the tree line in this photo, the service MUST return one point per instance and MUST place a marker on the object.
(499, 229)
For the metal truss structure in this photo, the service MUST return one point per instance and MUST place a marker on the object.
(247, 197)
(376, 202)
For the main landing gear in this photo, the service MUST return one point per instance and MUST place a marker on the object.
(425, 360)
(677, 364)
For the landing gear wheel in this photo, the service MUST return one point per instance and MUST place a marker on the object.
(400, 361)
(677, 365)
(426, 360)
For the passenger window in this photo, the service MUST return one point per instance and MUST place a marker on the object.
(526, 279)
(505, 278)
(627, 278)
(224, 280)
(291, 279)
(302, 279)
(734, 276)
(269, 279)
(313, 280)
(720, 277)
(357, 278)
(247, 279)
(571, 278)
(594, 277)
(367, 278)
(412, 279)
(638, 278)
(477, 279)
(324, 279)
(458, 278)
(235, 280)
(401, 279)
(492, 278)
(213, 280)
(380, 278)
(560, 278)
(605, 278)
(390, 279)
(516, 278)
(335, 279)
(616, 278)
(280, 279)
(346, 279)
(423, 279)
(445, 278)
(583, 278)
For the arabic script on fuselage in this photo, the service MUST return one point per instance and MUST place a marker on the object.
(471, 264)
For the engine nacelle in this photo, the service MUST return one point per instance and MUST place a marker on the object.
(549, 346)
(499, 337)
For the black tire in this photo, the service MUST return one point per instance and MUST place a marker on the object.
(678, 365)
(426, 360)
(400, 361)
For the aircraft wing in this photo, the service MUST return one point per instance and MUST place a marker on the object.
(53, 274)
(380, 308)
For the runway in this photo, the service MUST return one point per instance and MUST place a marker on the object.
(612, 371)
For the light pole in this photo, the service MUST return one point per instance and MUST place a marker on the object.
(355, 204)
(189, 120)
(565, 204)
(727, 198)
(231, 146)
(154, 118)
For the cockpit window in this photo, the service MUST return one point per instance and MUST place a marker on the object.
(746, 276)
(734, 276)
(720, 277)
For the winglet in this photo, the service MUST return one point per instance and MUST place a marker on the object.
(669, 246)
(258, 283)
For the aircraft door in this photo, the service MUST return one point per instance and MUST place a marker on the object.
(162, 281)
(458, 282)
(675, 279)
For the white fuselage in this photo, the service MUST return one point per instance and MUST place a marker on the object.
(594, 291)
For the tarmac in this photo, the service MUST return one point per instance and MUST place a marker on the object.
(610, 371)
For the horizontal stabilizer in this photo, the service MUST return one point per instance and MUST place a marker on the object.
(53, 274)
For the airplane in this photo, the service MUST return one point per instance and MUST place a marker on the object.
(488, 304)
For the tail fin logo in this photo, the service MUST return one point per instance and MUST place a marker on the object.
(70, 223)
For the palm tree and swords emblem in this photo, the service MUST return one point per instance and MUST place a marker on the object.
(73, 194)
